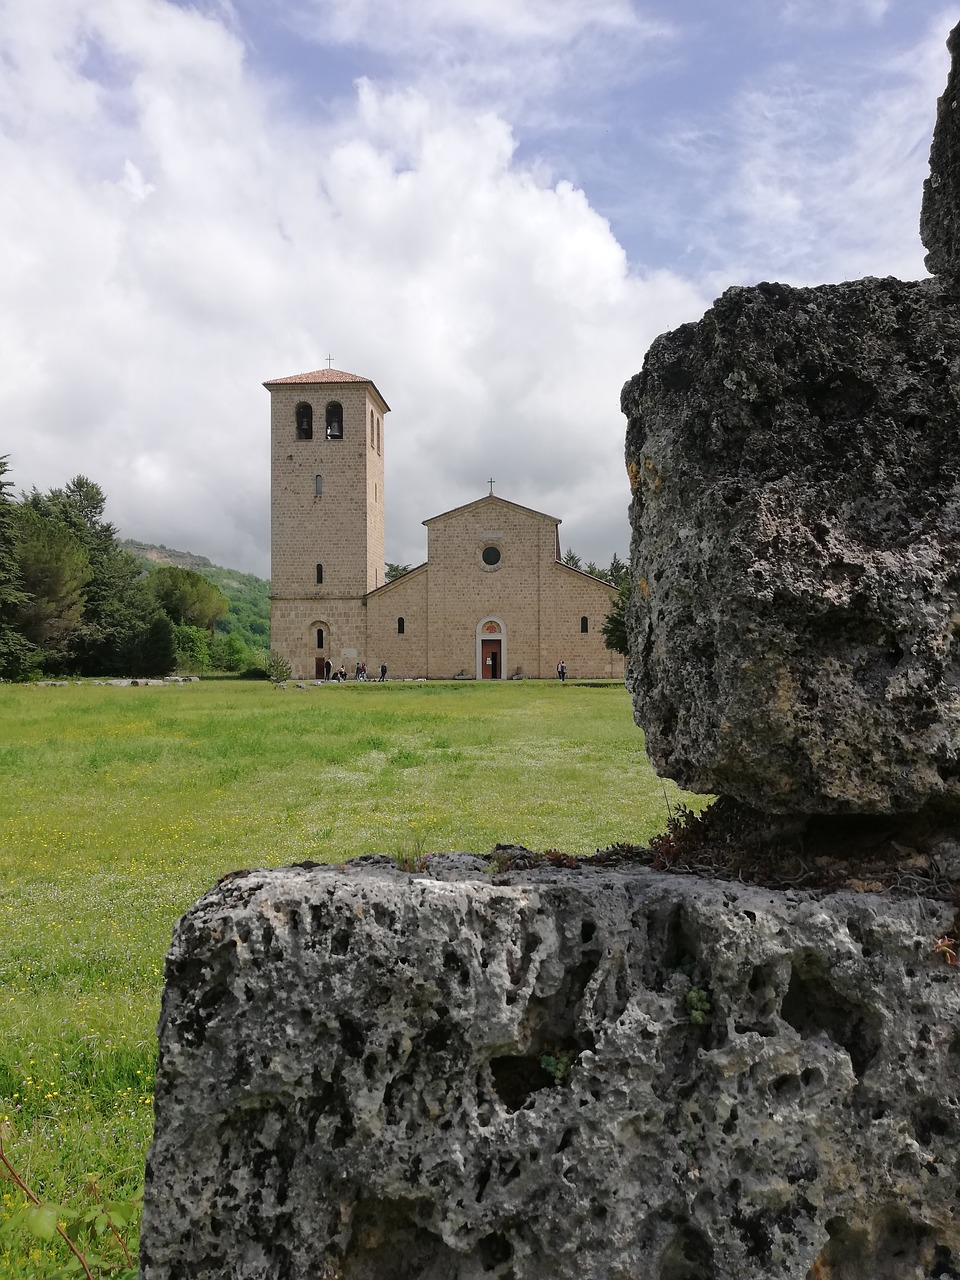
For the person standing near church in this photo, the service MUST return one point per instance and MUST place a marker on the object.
(327, 669)
(383, 673)
(561, 671)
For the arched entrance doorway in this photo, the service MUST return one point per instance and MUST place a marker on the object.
(319, 641)
(491, 649)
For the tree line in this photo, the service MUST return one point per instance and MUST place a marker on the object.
(74, 602)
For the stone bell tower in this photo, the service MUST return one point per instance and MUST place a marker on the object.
(327, 549)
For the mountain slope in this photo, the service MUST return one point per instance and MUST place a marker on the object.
(249, 596)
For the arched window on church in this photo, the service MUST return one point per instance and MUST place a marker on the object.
(303, 415)
(318, 486)
(334, 420)
(319, 575)
(401, 625)
(584, 625)
(378, 433)
(319, 637)
(372, 440)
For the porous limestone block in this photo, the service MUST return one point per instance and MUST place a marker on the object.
(795, 623)
(367, 1075)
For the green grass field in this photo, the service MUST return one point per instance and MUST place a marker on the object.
(119, 807)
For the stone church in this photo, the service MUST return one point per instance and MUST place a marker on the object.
(492, 601)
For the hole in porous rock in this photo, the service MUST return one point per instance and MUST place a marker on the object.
(351, 1038)
(386, 1241)
(552, 1019)
(928, 1122)
(944, 1267)
(813, 1006)
(568, 1136)
(452, 962)
(340, 942)
(437, 1038)
(891, 1247)
(516, 1078)
(786, 1088)
(755, 1232)
(688, 1256)
(678, 947)
(587, 930)
(493, 1251)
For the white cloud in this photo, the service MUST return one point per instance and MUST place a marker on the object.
(817, 176)
(169, 243)
(406, 25)
(832, 13)
(528, 59)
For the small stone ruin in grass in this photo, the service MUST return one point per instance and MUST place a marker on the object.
(605, 1072)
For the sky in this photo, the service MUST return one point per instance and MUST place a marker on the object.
(488, 207)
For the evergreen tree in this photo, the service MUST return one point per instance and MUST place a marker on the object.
(17, 655)
(157, 650)
(614, 626)
(55, 569)
(618, 570)
(595, 571)
(187, 598)
(572, 559)
(118, 609)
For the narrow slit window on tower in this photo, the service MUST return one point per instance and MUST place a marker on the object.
(378, 435)
(401, 625)
(304, 419)
(372, 445)
(334, 420)
(319, 575)
(318, 486)
(319, 637)
(584, 625)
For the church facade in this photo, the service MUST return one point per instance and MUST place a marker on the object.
(492, 600)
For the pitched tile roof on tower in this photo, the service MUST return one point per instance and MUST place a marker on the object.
(327, 375)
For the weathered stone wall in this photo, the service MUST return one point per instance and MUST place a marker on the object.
(580, 1076)
(405, 655)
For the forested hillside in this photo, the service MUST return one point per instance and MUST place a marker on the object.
(76, 601)
(249, 615)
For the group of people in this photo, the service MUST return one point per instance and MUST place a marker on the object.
(341, 673)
